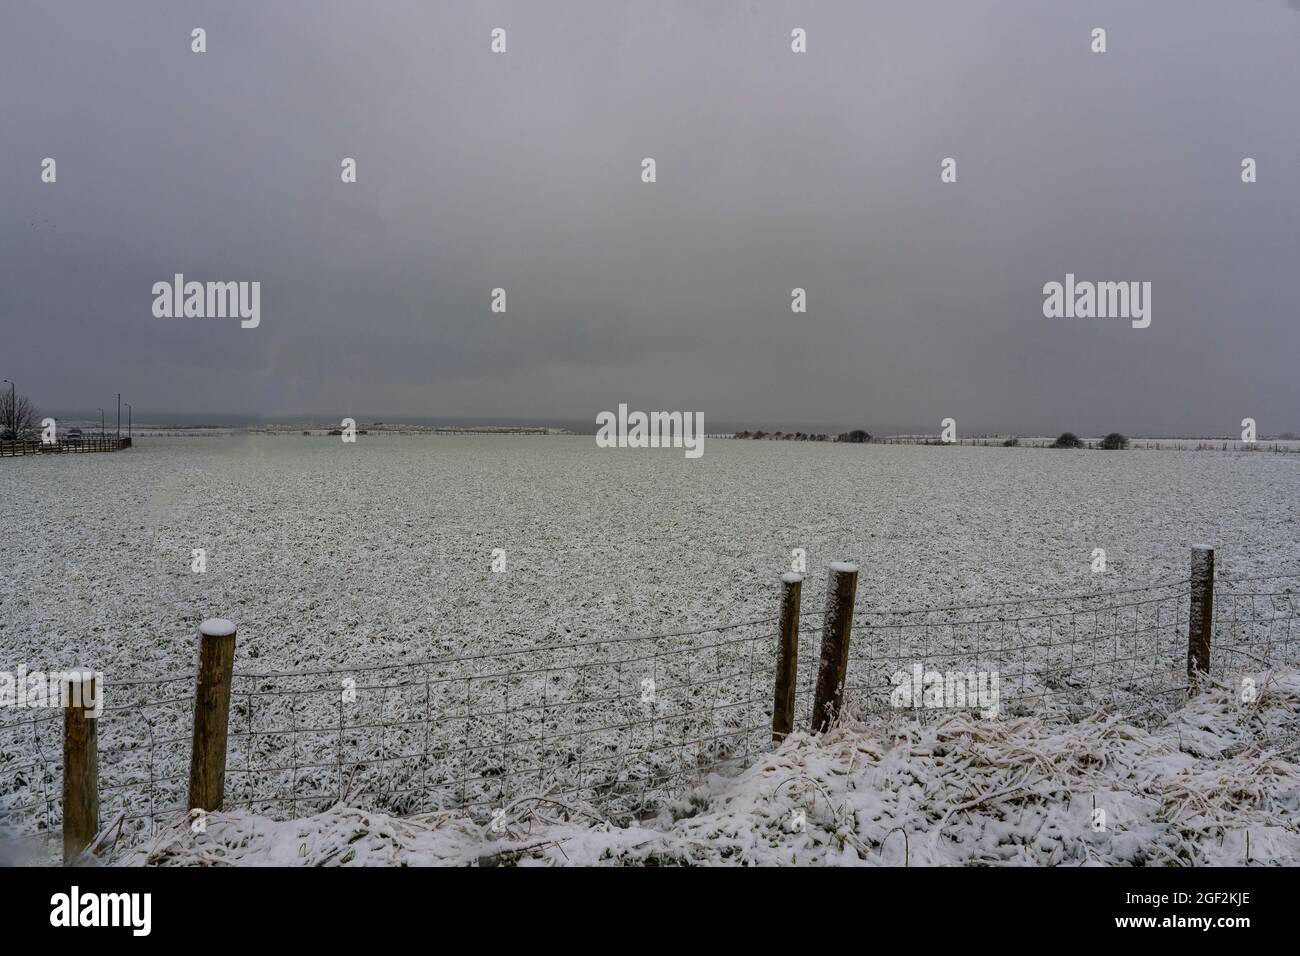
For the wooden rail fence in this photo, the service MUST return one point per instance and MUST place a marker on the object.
(14, 449)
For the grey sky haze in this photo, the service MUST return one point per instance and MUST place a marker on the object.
(775, 170)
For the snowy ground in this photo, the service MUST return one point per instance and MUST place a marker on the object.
(342, 554)
(1216, 784)
(333, 558)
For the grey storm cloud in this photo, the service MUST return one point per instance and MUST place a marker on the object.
(775, 170)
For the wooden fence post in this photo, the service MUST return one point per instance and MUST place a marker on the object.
(211, 714)
(1200, 621)
(80, 762)
(841, 589)
(787, 657)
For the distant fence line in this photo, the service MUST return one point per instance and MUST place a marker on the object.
(1279, 446)
(10, 449)
(14, 449)
(617, 723)
(197, 432)
(1284, 446)
(369, 431)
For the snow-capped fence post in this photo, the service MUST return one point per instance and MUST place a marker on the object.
(1200, 621)
(841, 589)
(787, 656)
(80, 762)
(211, 715)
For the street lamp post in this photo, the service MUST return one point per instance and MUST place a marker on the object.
(13, 408)
(119, 415)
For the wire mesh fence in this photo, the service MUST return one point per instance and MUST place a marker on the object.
(143, 757)
(612, 722)
(1256, 623)
(621, 723)
(31, 769)
(1126, 649)
(618, 723)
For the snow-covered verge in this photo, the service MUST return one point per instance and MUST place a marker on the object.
(1217, 783)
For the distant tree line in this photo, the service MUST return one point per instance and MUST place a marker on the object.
(857, 435)
(1112, 442)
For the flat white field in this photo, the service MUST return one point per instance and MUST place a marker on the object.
(371, 563)
(342, 554)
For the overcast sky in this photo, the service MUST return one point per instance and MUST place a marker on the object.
(775, 170)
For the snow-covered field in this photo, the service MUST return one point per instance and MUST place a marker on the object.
(343, 554)
(334, 558)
